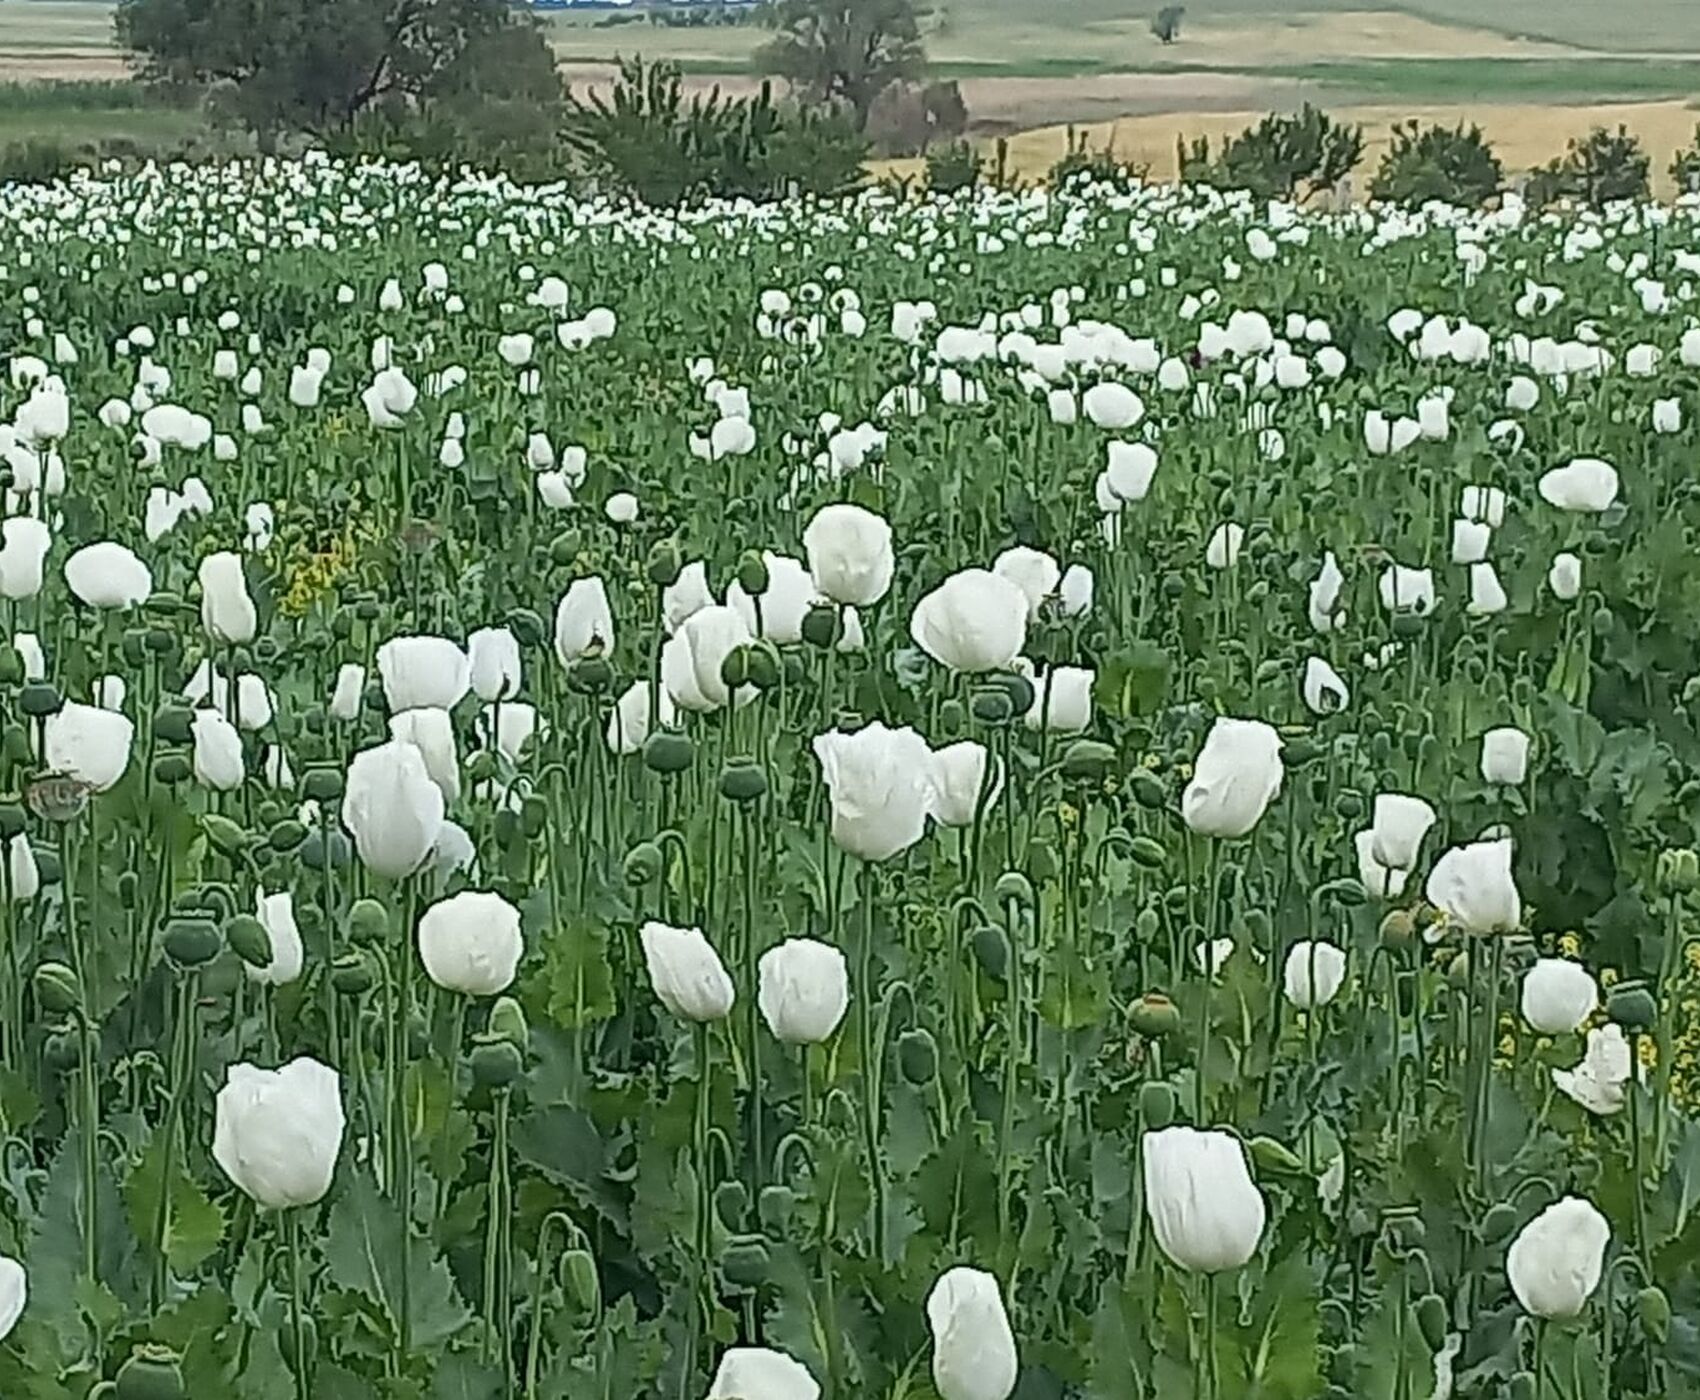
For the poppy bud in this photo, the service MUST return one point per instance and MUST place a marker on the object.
(584, 1288)
(991, 951)
(564, 548)
(507, 1019)
(160, 641)
(129, 885)
(322, 784)
(224, 835)
(351, 973)
(192, 943)
(752, 573)
(667, 751)
(1157, 1104)
(666, 563)
(731, 1204)
(11, 820)
(1398, 930)
(1349, 805)
(249, 940)
(918, 1056)
(1631, 1005)
(526, 626)
(735, 668)
(1019, 689)
(151, 1373)
(1148, 789)
(533, 816)
(15, 744)
(1154, 1016)
(822, 626)
(172, 723)
(1652, 1307)
(775, 1207)
(11, 665)
(742, 780)
(765, 666)
(745, 1262)
(952, 717)
(643, 864)
(38, 699)
(57, 988)
(481, 767)
(1522, 1387)
(991, 706)
(496, 1062)
(1407, 625)
(1147, 925)
(1148, 853)
(1498, 1223)
(368, 921)
(1431, 1319)
(590, 675)
(172, 768)
(287, 835)
(1678, 870)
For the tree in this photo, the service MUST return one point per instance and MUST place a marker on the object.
(1437, 162)
(1599, 168)
(1166, 23)
(308, 65)
(1279, 155)
(844, 51)
(1685, 166)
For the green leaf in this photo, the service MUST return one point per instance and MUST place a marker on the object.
(194, 1225)
(365, 1253)
(462, 1378)
(579, 986)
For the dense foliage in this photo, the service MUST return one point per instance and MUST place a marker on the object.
(1455, 166)
(1596, 169)
(843, 51)
(1283, 156)
(586, 790)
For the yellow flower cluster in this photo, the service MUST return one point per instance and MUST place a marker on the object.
(315, 568)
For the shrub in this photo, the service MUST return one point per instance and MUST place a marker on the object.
(1166, 23)
(1082, 165)
(1597, 169)
(906, 119)
(39, 161)
(1685, 167)
(1437, 162)
(1279, 155)
(953, 167)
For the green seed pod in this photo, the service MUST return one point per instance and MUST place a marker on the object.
(15, 744)
(1174, 586)
(527, 627)
(952, 716)
(508, 831)
(1522, 1387)
(1398, 930)
(666, 563)
(1678, 870)
(991, 706)
(1147, 926)
(322, 784)
(368, 921)
(1019, 689)
(351, 974)
(169, 769)
(1407, 625)
(745, 1262)
(1148, 853)
(172, 723)
(481, 767)
(668, 751)
(766, 668)
(752, 573)
(160, 641)
(496, 1061)
(590, 675)
(151, 1373)
(39, 699)
(11, 665)
(1632, 1006)
(918, 1056)
(735, 668)
(1348, 805)
(57, 989)
(1652, 1307)
(732, 1204)
(823, 626)
(742, 780)
(1154, 1016)
(11, 820)
(1498, 1223)
(1275, 1156)
(1158, 1104)
(584, 1287)
(286, 836)
(249, 939)
(1432, 1320)
(533, 816)
(192, 943)
(644, 864)
(507, 1020)
(1088, 761)
(129, 887)
(774, 1209)
(991, 951)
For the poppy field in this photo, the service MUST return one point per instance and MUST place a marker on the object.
(1077, 795)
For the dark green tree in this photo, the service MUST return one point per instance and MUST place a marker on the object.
(1284, 155)
(305, 65)
(1437, 162)
(844, 51)
(1166, 23)
(1596, 169)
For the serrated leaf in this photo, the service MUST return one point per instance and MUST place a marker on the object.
(194, 1225)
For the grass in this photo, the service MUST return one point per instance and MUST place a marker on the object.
(1488, 82)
